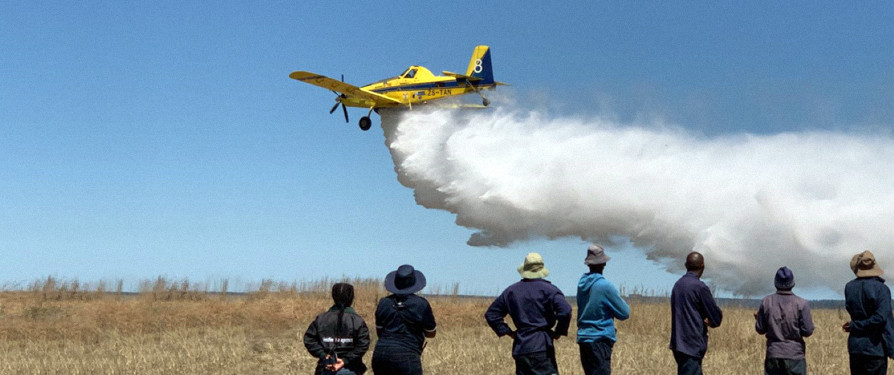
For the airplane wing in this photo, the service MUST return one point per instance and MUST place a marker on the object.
(344, 88)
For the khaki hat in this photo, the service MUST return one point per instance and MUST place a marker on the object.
(533, 267)
(864, 265)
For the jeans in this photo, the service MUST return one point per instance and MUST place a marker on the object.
(387, 363)
(868, 365)
(781, 366)
(321, 370)
(687, 364)
(539, 363)
(596, 357)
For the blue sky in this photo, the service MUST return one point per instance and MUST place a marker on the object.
(142, 139)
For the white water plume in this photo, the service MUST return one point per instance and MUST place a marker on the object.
(750, 203)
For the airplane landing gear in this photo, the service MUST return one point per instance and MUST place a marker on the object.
(365, 123)
(485, 101)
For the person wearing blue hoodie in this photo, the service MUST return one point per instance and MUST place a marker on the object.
(598, 305)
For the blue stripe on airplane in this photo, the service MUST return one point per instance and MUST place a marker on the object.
(424, 86)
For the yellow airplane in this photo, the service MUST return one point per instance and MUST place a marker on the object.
(416, 85)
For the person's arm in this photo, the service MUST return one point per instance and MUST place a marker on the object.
(876, 322)
(361, 342)
(805, 324)
(760, 320)
(429, 326)
(620, 309)
(563, 314)
(379, 313)
(312, 341)
(712, 312)
(494, 317)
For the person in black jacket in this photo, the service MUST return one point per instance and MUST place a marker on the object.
(871, 328)
(339, 337)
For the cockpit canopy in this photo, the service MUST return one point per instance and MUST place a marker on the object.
(416, 72)
(409, 73)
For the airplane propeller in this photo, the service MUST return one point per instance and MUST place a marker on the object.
(338, 100)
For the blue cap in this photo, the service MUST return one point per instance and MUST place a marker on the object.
(785, 279)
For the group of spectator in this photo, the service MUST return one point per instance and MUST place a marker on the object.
(541, 314)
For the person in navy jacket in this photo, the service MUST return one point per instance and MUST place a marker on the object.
(871, 328)
(693, 310)
(540, 314)
(403, 322)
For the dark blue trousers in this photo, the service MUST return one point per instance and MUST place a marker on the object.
(596, 357)
(868, 365)
(781, 366)
(387, 363)
(687, 364)
(539, 363)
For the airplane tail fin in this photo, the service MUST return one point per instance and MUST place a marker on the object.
(480, 66)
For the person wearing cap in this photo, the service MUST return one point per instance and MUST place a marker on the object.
(540, 314)
(403, 322)
(598, 305)
(785, 320)
(871, 328)
(693, 310)
(338, 338)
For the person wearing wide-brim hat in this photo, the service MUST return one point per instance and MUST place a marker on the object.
(540, 314)
(871, 328)
(403, 322)
(785, 320)
(598, 305)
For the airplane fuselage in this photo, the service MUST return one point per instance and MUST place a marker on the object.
(422, 87)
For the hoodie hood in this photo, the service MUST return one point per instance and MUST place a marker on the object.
(588, 280)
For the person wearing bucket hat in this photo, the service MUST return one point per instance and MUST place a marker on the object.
(693, 310)
(871, 328)
(540, 314)
(403, 322)
(785, 320)
(598, 305)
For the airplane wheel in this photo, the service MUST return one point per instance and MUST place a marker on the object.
(485, 102)
(365, 123)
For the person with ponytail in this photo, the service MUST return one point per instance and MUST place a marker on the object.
(338, 338)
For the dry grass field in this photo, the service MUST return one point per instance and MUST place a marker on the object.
(175, 328)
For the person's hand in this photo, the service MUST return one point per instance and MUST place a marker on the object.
(755, 314)
(339, 363)
(334, 367)
(846, 327)
(511, 334)
(554, 335)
